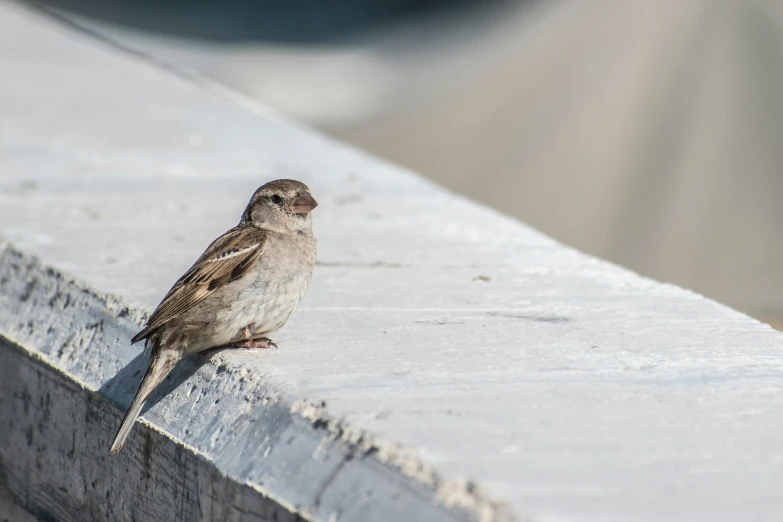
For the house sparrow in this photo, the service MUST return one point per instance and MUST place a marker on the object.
(246, 285)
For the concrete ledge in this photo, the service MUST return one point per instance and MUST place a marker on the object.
(448, 363)
(58, 402)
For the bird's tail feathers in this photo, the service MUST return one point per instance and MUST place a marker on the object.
(161, 363)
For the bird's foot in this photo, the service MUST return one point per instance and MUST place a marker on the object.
(261, 342)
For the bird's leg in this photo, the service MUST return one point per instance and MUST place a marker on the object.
(260, 342)
(249, 342)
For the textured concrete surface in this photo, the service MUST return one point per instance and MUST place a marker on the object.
(445, 356)
(653, 127)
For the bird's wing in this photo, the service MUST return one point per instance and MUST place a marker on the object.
(228, 258)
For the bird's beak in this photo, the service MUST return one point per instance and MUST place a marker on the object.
(304, 204)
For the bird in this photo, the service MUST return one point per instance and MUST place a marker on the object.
(245, 285)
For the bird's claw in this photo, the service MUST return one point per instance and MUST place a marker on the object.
(261, 342)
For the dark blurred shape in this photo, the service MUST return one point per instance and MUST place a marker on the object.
(288, 21)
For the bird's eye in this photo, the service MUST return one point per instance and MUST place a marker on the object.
(276, 199)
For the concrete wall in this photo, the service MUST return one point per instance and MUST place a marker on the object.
(448, 363)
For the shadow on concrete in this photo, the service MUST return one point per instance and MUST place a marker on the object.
(284, 21)
(121, 388)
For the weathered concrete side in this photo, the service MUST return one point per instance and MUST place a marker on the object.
(10, 510)
(447, 359)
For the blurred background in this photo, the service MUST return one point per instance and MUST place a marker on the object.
(646, 133)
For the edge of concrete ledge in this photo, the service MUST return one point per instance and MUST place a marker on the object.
(58, 338)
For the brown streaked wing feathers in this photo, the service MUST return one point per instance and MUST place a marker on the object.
(228, 257)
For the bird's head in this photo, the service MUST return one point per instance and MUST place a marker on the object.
(283, 205)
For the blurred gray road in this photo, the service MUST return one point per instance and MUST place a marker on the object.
(647, 133)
